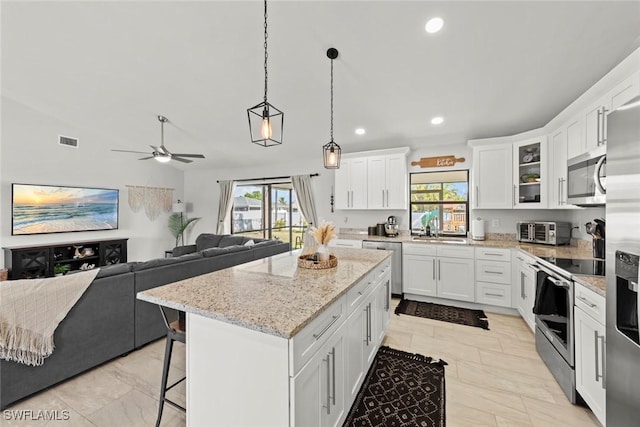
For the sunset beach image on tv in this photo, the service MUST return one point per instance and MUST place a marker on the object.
(38, 209)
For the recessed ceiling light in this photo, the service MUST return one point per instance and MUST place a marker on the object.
(360, 131)
(434, 25)
(437, 120)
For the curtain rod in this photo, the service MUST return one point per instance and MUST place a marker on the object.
(265, 179)
(146, 186)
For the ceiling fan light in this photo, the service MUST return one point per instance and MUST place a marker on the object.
(162, 158)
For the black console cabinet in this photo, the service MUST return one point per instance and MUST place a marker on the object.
(28, 262)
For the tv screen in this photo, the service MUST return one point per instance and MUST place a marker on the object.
(38, 209)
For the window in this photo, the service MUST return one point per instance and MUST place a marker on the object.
(268, 211)
(441, 197)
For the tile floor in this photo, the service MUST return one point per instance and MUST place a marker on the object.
(493, 378)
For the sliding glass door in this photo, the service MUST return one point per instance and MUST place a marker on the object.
(268, 211)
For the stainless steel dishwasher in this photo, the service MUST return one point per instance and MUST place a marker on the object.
(396, 261)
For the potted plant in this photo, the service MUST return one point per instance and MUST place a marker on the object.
(61, 269)
(178, 225)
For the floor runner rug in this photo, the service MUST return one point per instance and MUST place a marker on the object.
(445, 313)
(400, 389)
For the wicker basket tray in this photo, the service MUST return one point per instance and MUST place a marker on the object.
(305, 262)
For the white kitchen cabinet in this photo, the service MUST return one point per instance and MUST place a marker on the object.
(351, 184)
(530, 173)
(590, 350)
(524, 287)
(492, 177)
(382, 311)
(319, 387)
(595, 124)
(623, 92)
(493, 276)
(372, 180)
(442, 271)
(575, 137)
(419, 269)
(558, 169)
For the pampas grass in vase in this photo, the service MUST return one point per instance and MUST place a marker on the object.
(323, 235)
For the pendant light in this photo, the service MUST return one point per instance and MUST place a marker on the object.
(331, 151)
(265, 120)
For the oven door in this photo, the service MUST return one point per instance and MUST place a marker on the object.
(554, 311)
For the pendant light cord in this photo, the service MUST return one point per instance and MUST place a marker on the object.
(331, 100)
(265, 51)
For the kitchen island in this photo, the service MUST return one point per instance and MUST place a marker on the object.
(269, 343)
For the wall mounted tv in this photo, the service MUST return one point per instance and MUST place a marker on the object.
(39, 209)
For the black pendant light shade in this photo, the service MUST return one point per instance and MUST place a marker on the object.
(265, 120)
(331, 151)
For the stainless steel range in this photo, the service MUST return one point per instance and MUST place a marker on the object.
(555, 340)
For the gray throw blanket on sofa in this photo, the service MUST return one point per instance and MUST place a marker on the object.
(30, 311)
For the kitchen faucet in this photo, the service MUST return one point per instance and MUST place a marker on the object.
(434, 228)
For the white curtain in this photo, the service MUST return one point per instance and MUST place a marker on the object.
(227, 188)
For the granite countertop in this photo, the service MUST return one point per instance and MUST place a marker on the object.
(597, 284)
(272, 295)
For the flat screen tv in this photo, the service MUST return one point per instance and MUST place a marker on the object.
(39, 209)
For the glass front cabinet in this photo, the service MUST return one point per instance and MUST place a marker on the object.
(530, 173)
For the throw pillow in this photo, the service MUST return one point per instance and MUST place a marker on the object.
(249, 243)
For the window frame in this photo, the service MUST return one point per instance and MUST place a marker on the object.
(441, 202)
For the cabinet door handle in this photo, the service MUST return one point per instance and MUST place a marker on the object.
(333, 375)
(383, 198)
(369, 324)
(586, 301)
(597, 364)
(387, 303)
(326, 328)
(434, 269)
(366, 326)
(522, 294)
(604, 125)
(328, 384)
(514, 194)
(438, 269)
(598, 141)
(604, 362)
(477, 196)
(387, 198)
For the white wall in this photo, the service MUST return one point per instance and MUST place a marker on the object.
(30, 154)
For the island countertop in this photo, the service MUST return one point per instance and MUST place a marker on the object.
(271, 295)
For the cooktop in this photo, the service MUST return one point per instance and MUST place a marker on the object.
(590, 267)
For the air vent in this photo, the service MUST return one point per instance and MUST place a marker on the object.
(68, 141)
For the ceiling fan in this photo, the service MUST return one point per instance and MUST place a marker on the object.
(161, 153)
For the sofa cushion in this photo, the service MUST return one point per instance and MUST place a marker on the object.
(266, 243)
(183, 250)
(114, 269)
(232, 241)
(207, 240)
(158, 262)
(189, 257)
(211, 252)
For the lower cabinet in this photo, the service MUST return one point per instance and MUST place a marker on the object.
(524, 287)
(590, 351)
(493, 276)
(319, 388)
(439, 271)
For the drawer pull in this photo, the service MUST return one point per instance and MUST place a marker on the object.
(493, 272)
(586, 301)
(492, 254)
(493, 295)
(326, 328)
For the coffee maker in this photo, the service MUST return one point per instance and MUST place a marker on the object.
(391, 227)
(597, 231)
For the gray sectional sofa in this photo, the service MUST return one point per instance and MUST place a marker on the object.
(108, 321)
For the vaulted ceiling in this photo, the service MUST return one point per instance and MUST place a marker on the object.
(496, 68)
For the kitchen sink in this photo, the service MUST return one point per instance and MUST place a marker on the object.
(444, 239)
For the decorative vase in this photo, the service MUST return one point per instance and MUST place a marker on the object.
(323, 253)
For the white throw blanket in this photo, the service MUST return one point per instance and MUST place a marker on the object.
(30, 311)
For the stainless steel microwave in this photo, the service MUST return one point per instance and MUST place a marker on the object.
(586, 178)
(546, 232)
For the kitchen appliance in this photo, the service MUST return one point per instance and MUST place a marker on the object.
(391, 227)
(622, 367)
(597, 230)
(372, 230)
(545, 232)
(586, 178)
(554, 334)
(477, 229)
(381, 229)
(396, 262)
(589, 267)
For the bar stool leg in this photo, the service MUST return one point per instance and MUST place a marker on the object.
(165, 377)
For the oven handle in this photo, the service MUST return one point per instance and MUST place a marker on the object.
(556, 278)
(559, 283)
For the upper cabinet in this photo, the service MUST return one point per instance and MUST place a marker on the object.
(530, 178)
(492, 171)
(557, 183)
(372, 180)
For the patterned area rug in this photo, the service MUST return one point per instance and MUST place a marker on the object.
(445, 313)
(400, 389)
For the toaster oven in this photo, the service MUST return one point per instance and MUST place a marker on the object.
(545, 232)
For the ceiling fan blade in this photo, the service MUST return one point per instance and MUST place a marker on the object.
(156, 149)
(146, 158)
(196, 156)
(181, 159)
(129, 151)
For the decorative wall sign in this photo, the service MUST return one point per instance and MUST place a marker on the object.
(437, 162)
(154, 199)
